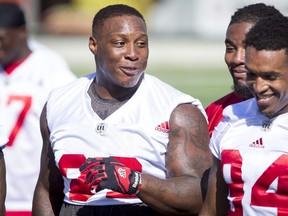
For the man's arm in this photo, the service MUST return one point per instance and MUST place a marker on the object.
(216, 202)
(2, 183)
(48, 194)
(188, 156)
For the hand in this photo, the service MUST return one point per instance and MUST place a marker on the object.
(109, 173)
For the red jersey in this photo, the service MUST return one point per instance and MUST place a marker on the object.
(215, 109)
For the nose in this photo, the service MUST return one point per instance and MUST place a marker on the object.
(239, 56)
(260, 85)
(131, 53)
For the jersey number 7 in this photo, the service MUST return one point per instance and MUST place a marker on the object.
(26, 102)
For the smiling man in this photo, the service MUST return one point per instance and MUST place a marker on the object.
(241, 22)
(250, 169)
(120, 141)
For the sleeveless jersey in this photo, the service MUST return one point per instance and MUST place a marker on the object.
(136, 134)
(254, 158)
(23, 94)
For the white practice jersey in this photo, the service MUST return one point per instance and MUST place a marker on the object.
(254, 158)
(136, 134)
(3, 138)
(23, 94)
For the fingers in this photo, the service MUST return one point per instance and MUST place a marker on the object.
(100, 174)
(90, 162)
(97, 172)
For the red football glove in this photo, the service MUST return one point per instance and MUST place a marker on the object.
(109, 173)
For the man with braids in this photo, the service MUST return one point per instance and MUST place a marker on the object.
(241, 22)
(120, 141)
(250, 166)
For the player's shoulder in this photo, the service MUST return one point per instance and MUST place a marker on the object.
(245, 109)
(225, 101)
(151, 79)
(85, 80)
(167, 94)
(156, 84)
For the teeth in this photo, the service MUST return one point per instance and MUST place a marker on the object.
(264, 97)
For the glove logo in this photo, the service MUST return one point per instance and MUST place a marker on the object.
(122, 172)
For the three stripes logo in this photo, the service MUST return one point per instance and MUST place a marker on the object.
(257, 144)
(163, 127)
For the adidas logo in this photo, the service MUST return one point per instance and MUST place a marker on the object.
(257, 144)
(163, 127)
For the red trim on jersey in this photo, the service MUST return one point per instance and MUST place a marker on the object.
(10, 68)
(215, 110)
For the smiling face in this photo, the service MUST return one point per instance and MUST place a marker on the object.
(235, 56)
(268, 80)
(121, 52)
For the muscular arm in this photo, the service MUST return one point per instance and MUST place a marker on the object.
(48, 194)
(216, 202)
(2, 184)
(187, 158)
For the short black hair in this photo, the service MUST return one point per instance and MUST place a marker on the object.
(11, 15)
(253, 13)
(269, 34)
(113, 11)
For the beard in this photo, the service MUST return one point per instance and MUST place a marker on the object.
(242, 91)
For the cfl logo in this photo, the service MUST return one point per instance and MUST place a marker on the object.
(266, 125)
(101, 128)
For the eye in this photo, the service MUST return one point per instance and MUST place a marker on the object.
(230, 48)
(118, 43)
(271, 77)
(142, 44)
(251, 76)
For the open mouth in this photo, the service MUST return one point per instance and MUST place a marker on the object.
(264, 99)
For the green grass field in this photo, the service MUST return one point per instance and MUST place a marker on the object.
(205, 82)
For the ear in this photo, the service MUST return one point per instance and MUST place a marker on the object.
(93, 45)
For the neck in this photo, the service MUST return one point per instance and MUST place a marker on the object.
(111, 91)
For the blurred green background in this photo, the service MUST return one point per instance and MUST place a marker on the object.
(193, 66)
(206, 81)
(187, 45)
(186, 39)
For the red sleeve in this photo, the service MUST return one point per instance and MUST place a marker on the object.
(214, 114)
(215, 110)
